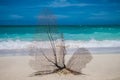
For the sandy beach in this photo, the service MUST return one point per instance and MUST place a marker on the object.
(102, 67)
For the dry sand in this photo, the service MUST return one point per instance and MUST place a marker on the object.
(102, 67)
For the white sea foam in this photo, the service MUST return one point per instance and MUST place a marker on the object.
(18, 44)
(94, 43)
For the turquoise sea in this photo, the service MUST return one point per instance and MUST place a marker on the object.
(79, 32)
(105, 37)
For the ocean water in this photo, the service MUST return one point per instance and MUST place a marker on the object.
(100, 38)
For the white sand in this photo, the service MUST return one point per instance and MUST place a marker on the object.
(102, 67)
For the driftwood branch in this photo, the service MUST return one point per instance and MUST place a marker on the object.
(52, 59)
(53, 46)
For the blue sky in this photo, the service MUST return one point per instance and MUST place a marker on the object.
(69, 12)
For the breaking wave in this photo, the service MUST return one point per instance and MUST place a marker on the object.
(19, 44)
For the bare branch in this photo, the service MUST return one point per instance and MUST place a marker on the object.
(51, 59)
(53, 46)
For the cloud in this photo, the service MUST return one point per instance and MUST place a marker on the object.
(59, 3)
(15, 16)
(55, 16)
(77, 12)
(65, 3)
(68, 3)
(101, 13)
(97, 17)
(61, 16)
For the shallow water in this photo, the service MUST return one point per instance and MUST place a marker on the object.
(98, 39)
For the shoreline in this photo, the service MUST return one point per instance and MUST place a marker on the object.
(25, 52)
